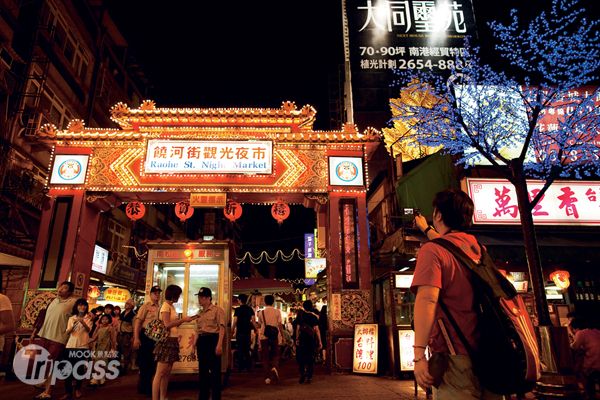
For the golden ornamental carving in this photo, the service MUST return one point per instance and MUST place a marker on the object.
(370, 131)
(119, 110)
(288, 106)
(76, 126)
(47, 130)
(349, 128)
(148, 105)
(320, 198)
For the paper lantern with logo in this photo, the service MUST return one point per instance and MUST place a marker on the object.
(183, 210)
(280, 211)
(93, 292)
(135, 210)
(232, 211)
(561, 279)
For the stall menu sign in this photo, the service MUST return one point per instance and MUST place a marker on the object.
(100, 260)
(312, 267)
(564, 203)
(365, 349)
(406, 340)
(209, 157)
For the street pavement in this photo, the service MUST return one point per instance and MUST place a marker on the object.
(245, 385)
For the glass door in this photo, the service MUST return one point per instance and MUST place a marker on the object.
(166, 274)
(202, 275)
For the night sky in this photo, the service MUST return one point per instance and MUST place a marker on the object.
(255, 54)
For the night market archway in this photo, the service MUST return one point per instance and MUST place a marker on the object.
(264, 155)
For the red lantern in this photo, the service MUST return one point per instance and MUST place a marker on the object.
(561, 279)
(135, 210)
(232, 211)
(280, 211)
(183, 210)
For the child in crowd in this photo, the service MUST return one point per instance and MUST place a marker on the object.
(105, 343)
(77, 347)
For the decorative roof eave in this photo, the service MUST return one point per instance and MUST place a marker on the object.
(147, 114)
(77, 131)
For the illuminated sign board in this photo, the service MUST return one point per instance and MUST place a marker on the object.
(309, 245)
(346, 171)
(69, 169)
(402, 281)
(208, 200)
(564, 203)
(365, 349)
(116, 295)
(209, 157)
(312, 266)
(406, 341)
(100, 260)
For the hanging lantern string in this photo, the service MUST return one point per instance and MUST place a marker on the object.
(270, 259)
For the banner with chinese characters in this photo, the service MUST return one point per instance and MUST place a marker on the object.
(209, 157)
(312, 267)
(406, 341)
(387, 35)
(564, 203)
(365, 349)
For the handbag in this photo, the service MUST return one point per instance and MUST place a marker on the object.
(156, 330)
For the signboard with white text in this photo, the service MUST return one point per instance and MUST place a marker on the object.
(406, 341)
(564, 203)
(365, 349)
(69, 169)
(209, 157)
(100, 260)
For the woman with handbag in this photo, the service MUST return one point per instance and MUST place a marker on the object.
(166, 351)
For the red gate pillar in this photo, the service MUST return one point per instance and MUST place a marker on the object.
(65, 246)
(349, 272)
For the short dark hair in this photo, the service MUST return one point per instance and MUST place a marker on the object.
(117, 307)
(172, 292)
(112, 309)
(269, 299)
(79, 302)
(69, 284)
(107, 316)
(307, 305)
(243, 298)
(455, 207)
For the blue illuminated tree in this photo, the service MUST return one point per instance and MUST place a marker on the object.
(486, 114)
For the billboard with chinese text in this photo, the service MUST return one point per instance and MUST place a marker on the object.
(365, 349)
(385, 35)
(564, 203)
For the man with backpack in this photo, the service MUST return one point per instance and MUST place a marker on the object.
(271, 328)
(458, 291)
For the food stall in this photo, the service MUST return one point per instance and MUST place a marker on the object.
(394, 307)
(192, 265)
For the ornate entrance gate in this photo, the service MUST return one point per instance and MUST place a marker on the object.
(252, 155)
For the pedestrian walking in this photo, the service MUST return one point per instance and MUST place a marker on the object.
(104, 344)
(308, 341)
(271, 329)
(587, 341)
(145, 345)
(241, 329)
(7, 320)
(439, 277)
(53, 332)
(125, 336)
(211, 332)
(77, 347)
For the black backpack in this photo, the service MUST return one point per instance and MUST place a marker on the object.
(507, 359)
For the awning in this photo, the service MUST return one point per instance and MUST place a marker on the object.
(417, 188)
(7, 259)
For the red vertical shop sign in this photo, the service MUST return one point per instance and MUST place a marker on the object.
(349, 253)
